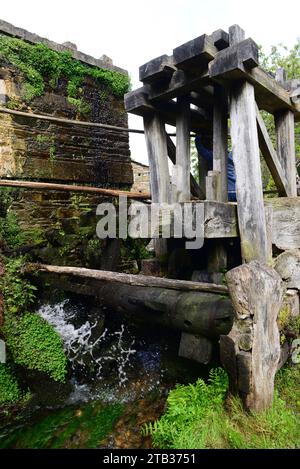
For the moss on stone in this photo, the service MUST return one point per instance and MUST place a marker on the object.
(9, 388)
(42, 66)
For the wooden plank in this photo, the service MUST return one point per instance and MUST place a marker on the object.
(241, 56)
(183, 163)
(194, 53)
(271, 157)
(285, 134)
(129, 279)
(46, 186)
(220, 147)
(286, 222)
(249, 192)
(195, 189)
(160, 68)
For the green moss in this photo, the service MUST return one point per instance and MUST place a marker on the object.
(9, 388)
(35, 345)
(69, 427)
(41, 67)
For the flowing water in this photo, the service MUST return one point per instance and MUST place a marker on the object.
(120, 376)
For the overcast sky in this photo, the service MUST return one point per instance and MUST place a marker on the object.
(132, 32)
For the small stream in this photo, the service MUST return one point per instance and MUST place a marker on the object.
(119, 378)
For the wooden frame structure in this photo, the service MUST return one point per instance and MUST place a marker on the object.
(203, 84)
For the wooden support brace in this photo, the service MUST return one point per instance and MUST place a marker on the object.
(194, 53)
(285, 134)
(271, 157)
(183, 150)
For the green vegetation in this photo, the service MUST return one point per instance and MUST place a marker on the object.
(9, 388)
(67, 428)
(41, 67)
(31, 341)
(35, 345)
(198, 416)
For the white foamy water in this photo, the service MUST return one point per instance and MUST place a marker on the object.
(78, 342)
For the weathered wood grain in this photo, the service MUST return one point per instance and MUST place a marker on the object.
(240, 56)
(183, 164)
(285, 134)
(271, 157)
(160, 68)
(220, 147)
(256, 292)
(194, 53)
(249, 191)
(220, 39)
(235, 34)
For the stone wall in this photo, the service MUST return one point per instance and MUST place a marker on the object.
(47, 151)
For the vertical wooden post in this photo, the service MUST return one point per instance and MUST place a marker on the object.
(156, 142)
(183, 164)
(217, 180)
(220, 150)
(245, 149)
(285, 134)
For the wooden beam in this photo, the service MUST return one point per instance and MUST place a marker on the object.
(137, 102)
(195, 188)
(285, 134)
(160, 68)
(156, 142)
(220, 39)
(235, 34)
(194, 53)
(220, 147)
(241, 56)
(183, 163)
(47, 186)
(249, 191)
(128, 279)
(271, 157)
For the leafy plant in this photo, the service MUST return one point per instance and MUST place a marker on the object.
(9, 388)
(199, 416)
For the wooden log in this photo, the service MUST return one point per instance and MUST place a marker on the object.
(256, 293)
(285, 134)
(206, 314)
(195, 188)
(249, 191)
(47, 186)
(194, 53)
(128, 279)
(183, 150)
(271, 157)
(160, 68)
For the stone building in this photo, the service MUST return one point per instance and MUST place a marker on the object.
(40, 76)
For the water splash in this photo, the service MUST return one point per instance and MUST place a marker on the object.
(81, 345)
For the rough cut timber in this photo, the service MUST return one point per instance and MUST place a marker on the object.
(256, 293)
(241, 56)
(249, 191)
(137, 102)
(160, 68)
(220, 39)
(285, 134)
(194, 53)
(271, 157)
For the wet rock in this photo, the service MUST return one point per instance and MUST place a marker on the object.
(55, 237)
